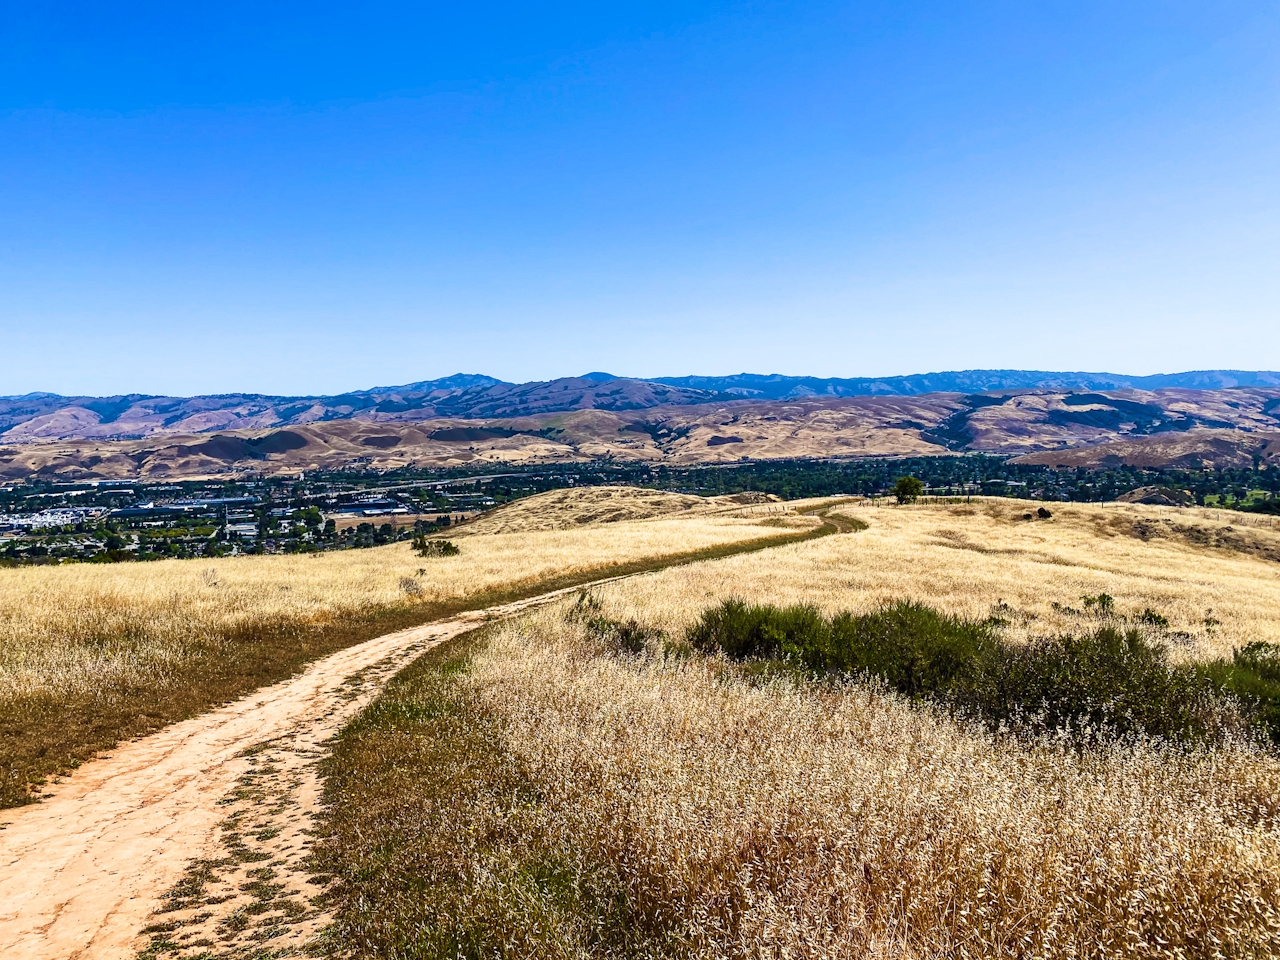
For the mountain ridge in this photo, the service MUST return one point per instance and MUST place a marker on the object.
(42, 417)
(782, 387)
(1191, 428)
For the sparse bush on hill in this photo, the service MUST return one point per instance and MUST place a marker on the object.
(1111, 679)
(1103, 604)
(424, 547)
(626, 636)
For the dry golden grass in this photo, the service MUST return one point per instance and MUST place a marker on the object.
(965, 559)
(815, 822)
(558, 799)
(91, 653)
(585, 506)
(82, 626)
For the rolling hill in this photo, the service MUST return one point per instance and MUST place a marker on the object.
(40, 417)
(44, 416)
(1182, 427)
(778, 387)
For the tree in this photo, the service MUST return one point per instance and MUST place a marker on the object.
(908, 489)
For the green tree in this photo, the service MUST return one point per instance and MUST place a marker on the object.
(908, 489)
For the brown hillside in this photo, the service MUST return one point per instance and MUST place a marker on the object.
(587, 506)
(1186, 428)
(590, 506)
(1193, 450)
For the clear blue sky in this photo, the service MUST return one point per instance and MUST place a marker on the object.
(308, 198)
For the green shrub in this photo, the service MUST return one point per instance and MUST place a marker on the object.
(623, 636)
(1107, 679)
(766, 632)
(914, 648)
(1110, 679)
(434, 548)
(1269, 506)
(1102, 603)
(1253, 677)
(908, 489)
(1153, 619)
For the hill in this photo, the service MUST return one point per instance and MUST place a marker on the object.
(591, 506)
(1192, 450)
(588, 506)
(40, 417)
(45, 416)
(1175, 427)
(1165, 428)
(686, 434)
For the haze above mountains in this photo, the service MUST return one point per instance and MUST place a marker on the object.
(1203, 418)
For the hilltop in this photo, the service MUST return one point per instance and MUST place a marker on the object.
(778, 387)
(588, 506)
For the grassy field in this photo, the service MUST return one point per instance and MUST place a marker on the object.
(589, 506)
(554, 789)
(1216, 582)
(594, 779)
(91, 653)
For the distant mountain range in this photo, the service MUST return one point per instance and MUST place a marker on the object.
(625, 421)
(45, 416)
(777, 387)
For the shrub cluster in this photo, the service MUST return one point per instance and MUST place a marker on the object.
(1109, 680)
(434, 548)
(622, 636)
(1253, 676)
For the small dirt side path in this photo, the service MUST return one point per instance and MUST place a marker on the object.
(82, 872)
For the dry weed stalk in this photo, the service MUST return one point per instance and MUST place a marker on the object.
(799, 821)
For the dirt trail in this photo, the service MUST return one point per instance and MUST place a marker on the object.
(214, 812)
(82, 872)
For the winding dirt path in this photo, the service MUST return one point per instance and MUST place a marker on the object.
(81, 872)
(85, 871)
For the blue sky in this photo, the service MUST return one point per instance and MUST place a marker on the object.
(311, 198)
